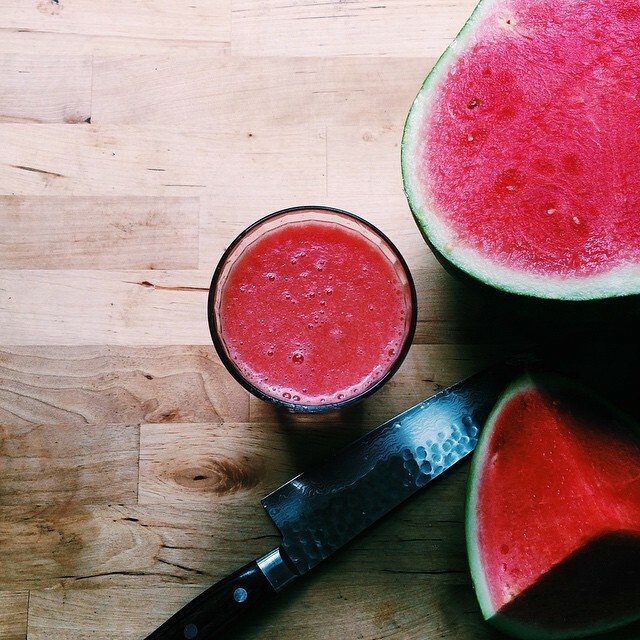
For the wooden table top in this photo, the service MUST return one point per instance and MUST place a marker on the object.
(137, 139)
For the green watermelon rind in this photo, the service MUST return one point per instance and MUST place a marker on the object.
(478, 576)
(622, 282)
(526, 381)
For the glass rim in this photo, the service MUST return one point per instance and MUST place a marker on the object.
(215, 329)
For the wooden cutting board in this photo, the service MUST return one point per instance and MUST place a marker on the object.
(136, 140)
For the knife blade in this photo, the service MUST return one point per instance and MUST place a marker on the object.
(322, 510)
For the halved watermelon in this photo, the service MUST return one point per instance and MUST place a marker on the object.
(553, 512)
(521, 152)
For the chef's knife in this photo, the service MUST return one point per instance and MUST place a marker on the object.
(320, 511)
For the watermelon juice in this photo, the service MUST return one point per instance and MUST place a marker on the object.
(312, 309)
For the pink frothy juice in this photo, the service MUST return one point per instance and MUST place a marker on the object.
(312, 309)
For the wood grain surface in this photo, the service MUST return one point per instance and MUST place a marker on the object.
(137, 139)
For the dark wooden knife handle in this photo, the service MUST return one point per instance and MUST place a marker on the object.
(219, 607)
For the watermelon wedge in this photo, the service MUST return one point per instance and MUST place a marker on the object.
(553, 512)
(520, 153)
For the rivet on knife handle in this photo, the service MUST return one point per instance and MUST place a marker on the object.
(228, 601)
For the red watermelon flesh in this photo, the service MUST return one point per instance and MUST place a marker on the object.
(553, 520)
(521, 153)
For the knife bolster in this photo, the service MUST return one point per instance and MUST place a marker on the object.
(276, 569)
